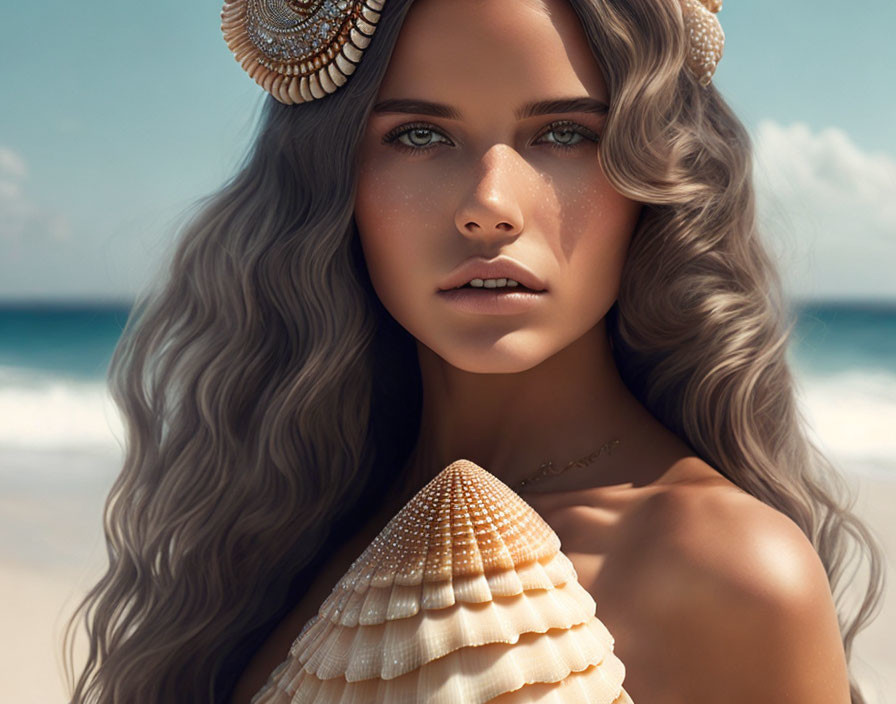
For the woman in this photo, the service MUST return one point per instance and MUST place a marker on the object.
(303, 369)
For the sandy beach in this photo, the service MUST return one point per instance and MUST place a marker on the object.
(37, 594)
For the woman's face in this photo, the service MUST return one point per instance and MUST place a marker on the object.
(489, 179)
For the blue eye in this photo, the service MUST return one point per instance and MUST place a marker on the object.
(414, 131)
(419, 136)
(573, 130)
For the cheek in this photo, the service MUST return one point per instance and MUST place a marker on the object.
(598, 226)
(378, 217)
(392, 216)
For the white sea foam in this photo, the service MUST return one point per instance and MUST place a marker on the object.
(43, 411)
(852, 415)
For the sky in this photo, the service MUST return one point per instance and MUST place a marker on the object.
(115, 117)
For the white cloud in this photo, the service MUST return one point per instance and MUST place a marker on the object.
(11, 164)
(20, 217)
(829, 208)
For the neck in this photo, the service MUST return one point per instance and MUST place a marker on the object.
(562, 410)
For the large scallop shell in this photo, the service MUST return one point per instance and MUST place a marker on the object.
(464, 597)
(299, 50)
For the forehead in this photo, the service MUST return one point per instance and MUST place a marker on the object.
(470, 51)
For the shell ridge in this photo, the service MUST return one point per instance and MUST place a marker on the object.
(589, 685)
(499, 557)
(436, 635)
(547, 657)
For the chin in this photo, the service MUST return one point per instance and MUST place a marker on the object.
(501, 357)
(495, 366)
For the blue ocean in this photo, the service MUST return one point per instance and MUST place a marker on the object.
(53, 361)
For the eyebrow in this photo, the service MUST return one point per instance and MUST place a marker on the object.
(540, 107)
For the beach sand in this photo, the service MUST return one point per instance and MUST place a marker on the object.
(37, 596)
(873, 660)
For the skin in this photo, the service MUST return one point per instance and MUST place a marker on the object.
(712, 596)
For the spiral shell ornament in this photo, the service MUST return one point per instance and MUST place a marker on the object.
(463, 598)
(299, 50)
(706, 40)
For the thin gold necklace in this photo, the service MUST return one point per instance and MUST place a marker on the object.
(547, 468)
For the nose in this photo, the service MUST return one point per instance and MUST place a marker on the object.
(491, 208)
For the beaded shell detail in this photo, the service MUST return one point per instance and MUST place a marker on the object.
(706, 39)
(299, 50)
(463, 598)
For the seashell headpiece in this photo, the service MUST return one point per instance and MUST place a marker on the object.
(300, 50)
(706, 40)
(463, 597)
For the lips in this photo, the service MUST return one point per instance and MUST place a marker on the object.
(520, 287)
(492, 301)
(502, 267)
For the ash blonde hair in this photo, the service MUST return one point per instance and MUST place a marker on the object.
(268, 396)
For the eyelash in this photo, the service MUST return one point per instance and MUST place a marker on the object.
(392, 136)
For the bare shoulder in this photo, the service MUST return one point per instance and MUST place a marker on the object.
(737, 597)
(718, 533)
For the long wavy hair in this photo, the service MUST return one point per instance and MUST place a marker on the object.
(270, 401)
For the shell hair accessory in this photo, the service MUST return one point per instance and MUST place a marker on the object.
(706, 40)
(301, 50)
